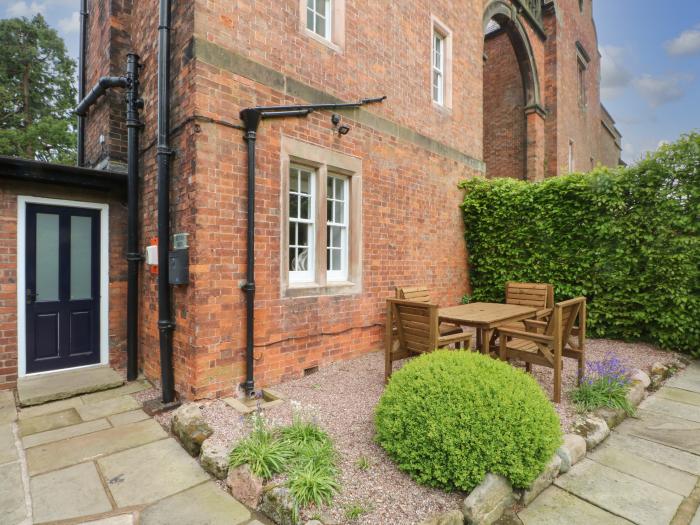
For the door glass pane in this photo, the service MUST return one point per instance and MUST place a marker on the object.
(46, 257)
(80, 257)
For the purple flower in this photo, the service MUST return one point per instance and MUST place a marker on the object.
(609, 369)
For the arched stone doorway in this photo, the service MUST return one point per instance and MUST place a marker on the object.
(513, 118)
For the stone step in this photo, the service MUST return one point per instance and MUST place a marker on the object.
(39, 389)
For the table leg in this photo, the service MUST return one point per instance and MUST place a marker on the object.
(478, 339)
(486, 341)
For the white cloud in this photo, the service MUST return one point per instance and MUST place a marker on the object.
(70, 24)
(615, 77)
(687, 43)
(24, 9)
(658, 91)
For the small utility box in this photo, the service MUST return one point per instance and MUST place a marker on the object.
(179, 260)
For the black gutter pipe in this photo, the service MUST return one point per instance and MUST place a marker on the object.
(251, 118)
(81, 80)
(133, 105)
(165, 323)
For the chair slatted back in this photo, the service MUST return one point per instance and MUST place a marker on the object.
(565, 315)
(417, 324)
(538, 295)
(418, 294)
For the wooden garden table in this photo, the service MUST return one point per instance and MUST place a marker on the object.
(485, 317)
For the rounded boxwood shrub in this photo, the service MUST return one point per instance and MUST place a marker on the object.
(447, 418)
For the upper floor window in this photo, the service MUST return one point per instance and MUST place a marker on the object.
(571, 156)
(582, 95)
(438, 68)
(318, 18)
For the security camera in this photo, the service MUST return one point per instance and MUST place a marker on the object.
(343, 130)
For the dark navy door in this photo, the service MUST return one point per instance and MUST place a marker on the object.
(63, 287)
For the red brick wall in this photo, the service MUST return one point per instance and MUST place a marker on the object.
(9, 191)
(505, 132)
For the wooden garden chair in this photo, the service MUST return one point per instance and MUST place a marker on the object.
(539, 295)
(545, 343)
(421, 294)
(417, 332)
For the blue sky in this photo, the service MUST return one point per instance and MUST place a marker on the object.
(650, 71)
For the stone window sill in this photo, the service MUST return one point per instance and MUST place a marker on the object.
(316, 289)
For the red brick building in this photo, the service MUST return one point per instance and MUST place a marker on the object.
(345, 211)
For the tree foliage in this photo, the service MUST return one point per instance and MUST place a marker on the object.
(628, 239)
(37, 95)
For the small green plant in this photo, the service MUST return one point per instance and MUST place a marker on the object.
(264, 452)
(313, 484)
(356, 509)
(447, 418)
(605, 384)
(363, 463)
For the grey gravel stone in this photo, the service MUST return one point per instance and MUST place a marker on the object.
(214, 459)
(544, 480)
(592, 429)
(279, 505)
(190, 428)
(487, 502)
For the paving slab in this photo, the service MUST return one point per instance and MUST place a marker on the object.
(59, 454)
(205, 504)
(696, 519)
(650, 471)
(64, 433)
(68, 493)
(121, 519)
(664, 429)
(34, 425)
(49, 408)
(129, 388)
(672, 457)
(35, 390)
(8, 450)
(677, 409)
(12, 507)
(679, 395)
(150, 472)
(107, 407)
(556, 507)
(689, 379)
(620, 493)
(128, 417)
(8, 411)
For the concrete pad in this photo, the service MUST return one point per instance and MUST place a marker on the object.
(68, 493)
(688, 379)
(666, 406)
(669, 456)
(678, 395)
(122, 519)
(696, 519)
(64, 433)
(150, 472)
(107, 407)
(8, 411)
(655, 473)
(129, 388)
(128, 417)
(664, 429)
(12, 506)
(49, 408)
(68, 452)
(555, 507)
(34, 425)
(8, 450)
(35, 390)
(620, 493)
(204, 504)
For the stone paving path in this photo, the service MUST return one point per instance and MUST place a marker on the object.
(100, 459)
(647, 472)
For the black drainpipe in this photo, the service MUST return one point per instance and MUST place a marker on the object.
(165, 323)
(251, 118)
(134, 104)
(81, 80)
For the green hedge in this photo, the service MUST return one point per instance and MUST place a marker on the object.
(628, 239)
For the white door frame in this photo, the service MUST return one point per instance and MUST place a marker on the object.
(22, 201)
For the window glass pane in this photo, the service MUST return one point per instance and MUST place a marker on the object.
(320, 25)
(292, 259)
(304, 206)
(339, 189)
(336, 237)
(293, 179)
(339, 216)
(304, 178)
(80, 257)
(303, 231)
(46, 257)
(329, 210)
(321, 7)
(302, 260)
(329, 187)
(292, 233)
(293, 206)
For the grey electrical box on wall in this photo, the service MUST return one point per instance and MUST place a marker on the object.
(179, 266)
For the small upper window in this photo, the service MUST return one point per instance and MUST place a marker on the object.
(582, 96)
(318, 17)
(580, 5)
(438, 68)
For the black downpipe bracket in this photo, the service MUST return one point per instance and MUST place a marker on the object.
(81, 80)
(165, 323)
(251, 118)
(133, 104)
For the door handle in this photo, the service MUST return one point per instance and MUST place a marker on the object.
(31, 296)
